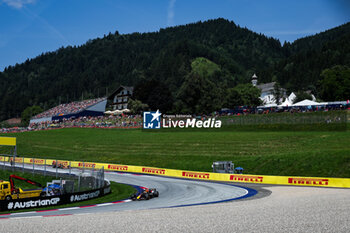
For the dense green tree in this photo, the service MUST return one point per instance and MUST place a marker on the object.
(277, 93)
(155, 94)
(29, 112)
(198, 95)
(335, 84)
(301, 95)
(233, 99)
(136, 106)
(249, 95)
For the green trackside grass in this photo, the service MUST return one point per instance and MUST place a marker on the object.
(5, 174)
(303, 153)
(119, 191)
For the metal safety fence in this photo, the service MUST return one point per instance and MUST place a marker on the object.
(70, 180)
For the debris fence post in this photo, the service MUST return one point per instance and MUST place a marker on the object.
(79, 182)
(92, 174)
(14, 159)
(45, 168)
(56, 168)
(83, 166)
(23, 165)
(12, 163)
(103, 177)
(3, 167)
(61, 187)
(70, 168)
(33, 166)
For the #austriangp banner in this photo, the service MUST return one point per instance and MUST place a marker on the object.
(234, 178)
(37, 202)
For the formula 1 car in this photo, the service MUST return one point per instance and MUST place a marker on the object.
(145, 195)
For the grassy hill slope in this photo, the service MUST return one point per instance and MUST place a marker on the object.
(274, 153)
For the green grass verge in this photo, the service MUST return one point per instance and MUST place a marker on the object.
(5, 174)
(119, 191)
(304, 153)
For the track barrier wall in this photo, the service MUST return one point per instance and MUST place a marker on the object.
(27, 203)
(234, 178)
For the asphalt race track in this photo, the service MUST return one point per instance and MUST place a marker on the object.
(286, 209)
(173, 193)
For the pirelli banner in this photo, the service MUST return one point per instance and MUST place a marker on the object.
(257, 179)
(234, 178)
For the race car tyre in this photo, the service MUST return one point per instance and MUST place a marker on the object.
(133, 197)
(156, 194)
(147, 197)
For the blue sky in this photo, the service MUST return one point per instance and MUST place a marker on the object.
(31, 27)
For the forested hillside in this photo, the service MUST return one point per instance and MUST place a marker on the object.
(311, 55)
(175, 58)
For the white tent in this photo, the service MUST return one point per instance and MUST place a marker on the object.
(126, 110)
(291, 97)
(306, 103)
(286, 103)
(108, 112)
(117, 112)
(270, 105)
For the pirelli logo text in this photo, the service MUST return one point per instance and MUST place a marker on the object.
(307, 181)
(117, 167)
(196, 175)
(153, 170)
(88, 165)
(253, 179)
(37, 161)
(17, 160)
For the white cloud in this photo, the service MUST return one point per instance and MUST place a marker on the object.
(171, 12)
(18, 4)
(49, 27)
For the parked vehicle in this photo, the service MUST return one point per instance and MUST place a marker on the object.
(8, 191)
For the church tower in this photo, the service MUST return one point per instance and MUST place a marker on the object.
(254, 80)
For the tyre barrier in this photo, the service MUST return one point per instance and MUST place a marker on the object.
(234, 178)
(37, 202)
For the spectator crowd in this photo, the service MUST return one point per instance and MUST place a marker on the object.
(135, 121)
(64, 109)
(120, 121)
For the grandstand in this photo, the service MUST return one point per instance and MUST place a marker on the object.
(91, 107)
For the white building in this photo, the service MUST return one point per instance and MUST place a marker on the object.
(120, 97)
(267, 92)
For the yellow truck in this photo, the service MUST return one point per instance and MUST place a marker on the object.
(8, 191)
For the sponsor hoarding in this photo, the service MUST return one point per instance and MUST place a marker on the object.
(117, 167)
(153, 170)
(239, 178)
(7, 141)
(27, 203)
